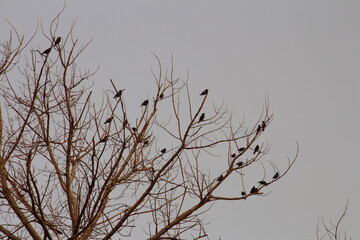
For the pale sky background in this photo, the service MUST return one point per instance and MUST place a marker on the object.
(304, 54)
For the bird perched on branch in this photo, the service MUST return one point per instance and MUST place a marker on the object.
(104, 139)
(47, 51)
(161, 96)
(202, 117)
(146, 142)
(241, 149)
(57, 41)
(276, 175)
(243, 193)
(220, 178)
(145, 103)
(254, 190)
(262, 182)
(205, 92)
(109, 120)
(118, 94)
(239, 163)
(134, 129)
(163, 150)
(256, 149)
(263, 125)
(258, 130)
(233, 155)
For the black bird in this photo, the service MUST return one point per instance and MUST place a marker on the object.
(145, 103)
(104, 139)
(262, 182)
(202, 117)
(57, 40)
(118, 94)
(233, 155)
(205, 92)
(161, 96)
(47, 51)
(163, 150)
(276, 175)
(109, 120)
(258, 130)
(239, 163)
(146, 142)
(241, 149)
(134, 129)
(256, 149)
(243, 193)
(220, 178)
(254, 190)
(263, 125)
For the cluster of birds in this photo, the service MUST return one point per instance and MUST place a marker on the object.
(256, 150)
(201, 118)
(242, 149)
(203, 93)
(257, 147)
(253, 189)
(143, 104)
(56, 43)
(261, 127)
(262, 182)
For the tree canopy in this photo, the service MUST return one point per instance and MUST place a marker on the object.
(74, 167)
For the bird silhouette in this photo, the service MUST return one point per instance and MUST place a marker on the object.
(254, 190)
(109, 120)
(233, 155)
(243, 193)
(161, 96)
(263, 125)
(118, 94)
(220, 178)
(205, 92)
(145, 103)
(241, 149)
(134, 129)
(202, 117)
(146, 142)
(57, 40)
(262, 182)
(163, 150)
(47, 51)
(258, 130)
(104, 139)
(276, 175)
(239, 163)
(256, 149)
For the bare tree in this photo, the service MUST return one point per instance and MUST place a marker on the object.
(74, 168)
(332, 230)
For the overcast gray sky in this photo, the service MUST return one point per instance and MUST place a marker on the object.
(304, 54)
